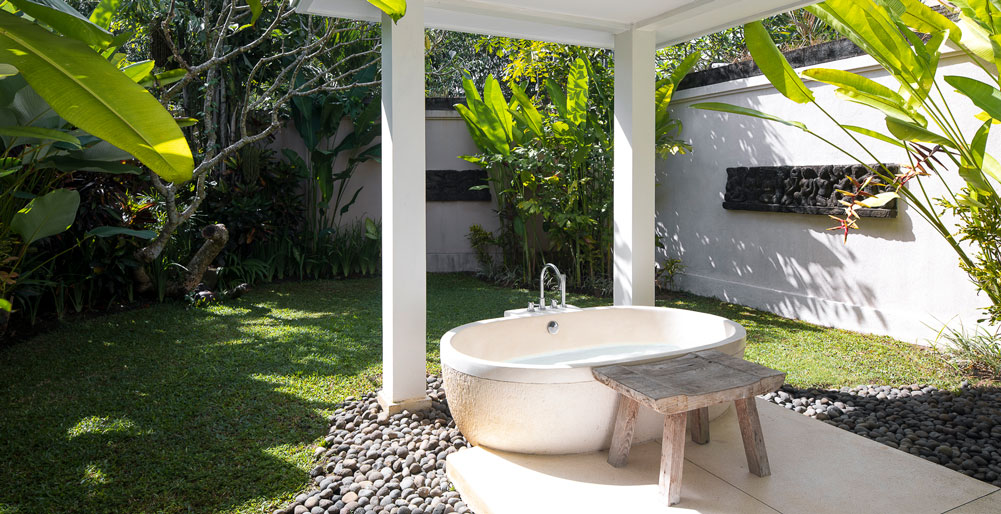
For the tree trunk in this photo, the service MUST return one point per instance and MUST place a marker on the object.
(216, 237)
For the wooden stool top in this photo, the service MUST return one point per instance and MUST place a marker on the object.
(697, 380)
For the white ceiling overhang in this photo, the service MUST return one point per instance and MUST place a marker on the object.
(579, 22)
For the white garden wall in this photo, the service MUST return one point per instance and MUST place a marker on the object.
(895, 276)
(448, 222)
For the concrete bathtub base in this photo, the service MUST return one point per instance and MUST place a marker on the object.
(544, 419)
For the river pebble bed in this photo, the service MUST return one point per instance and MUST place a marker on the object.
(960, 430)
(368, 464)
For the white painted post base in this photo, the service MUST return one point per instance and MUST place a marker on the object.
(390, 407)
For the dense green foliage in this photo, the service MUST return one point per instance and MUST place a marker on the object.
(547, 149)
(164, 409)
(277, 230)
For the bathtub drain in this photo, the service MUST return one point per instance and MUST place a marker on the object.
(553, 327)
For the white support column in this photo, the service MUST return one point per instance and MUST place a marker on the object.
(404, 261)
(634, 168)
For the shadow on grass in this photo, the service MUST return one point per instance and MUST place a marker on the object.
(175, 409)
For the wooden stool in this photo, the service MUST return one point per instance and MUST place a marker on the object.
(682, 386)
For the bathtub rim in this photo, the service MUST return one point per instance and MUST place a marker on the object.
(561, 374)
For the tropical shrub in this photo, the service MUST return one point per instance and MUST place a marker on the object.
(550, 167)
(66, 94)
(918, 117)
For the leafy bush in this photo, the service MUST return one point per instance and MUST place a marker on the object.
(550, 165)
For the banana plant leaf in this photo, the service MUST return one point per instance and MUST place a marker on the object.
(852, 81)
(744, 111)
(774, 65)
(875, 135)
(164, 78)
(40, 133)
(883, 105)
(104, 13)
(139, 71)
(911, 132)
(982, 160)
(528, 115)
(92, 94)
(67, 22)
(982, 95)
(46, 215)
(493, 99)
(922, 18)
(577, 93)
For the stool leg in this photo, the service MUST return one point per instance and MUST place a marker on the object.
(698, 424)
(672, 457)
(750, 432)
(622, 436)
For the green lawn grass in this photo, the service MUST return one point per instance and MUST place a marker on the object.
(181, 409)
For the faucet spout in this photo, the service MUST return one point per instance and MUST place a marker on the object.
(542, 286)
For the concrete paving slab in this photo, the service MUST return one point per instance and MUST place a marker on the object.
(816, 468)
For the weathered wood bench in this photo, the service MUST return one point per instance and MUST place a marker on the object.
(682, 386)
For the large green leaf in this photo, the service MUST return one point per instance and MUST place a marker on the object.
(975, 38)
(667, 86)
(922, 18)
(848, 80)
(163, 78)
(982, 95)
(684, 67)
(104, 13)
(883, 105)
(744, 111)
(46, 215)
(557, 97)
(256, 9)
(577, 92)
(774, 65)
(493, 98)
(396, 9)
(875, 135)
(139, 71)
(491, 127)
(70, 25)
(532, 117)
(856, 20)
(92, 94)
(911, 132)
(72, 163)
(40, 133)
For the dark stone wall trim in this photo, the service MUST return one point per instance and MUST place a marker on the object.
(799, 189)
(807, 56)
(453, 186)
(439, 103)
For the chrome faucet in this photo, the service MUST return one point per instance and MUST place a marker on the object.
(542, 289)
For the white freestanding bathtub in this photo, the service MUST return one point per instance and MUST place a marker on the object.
(512, 385)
